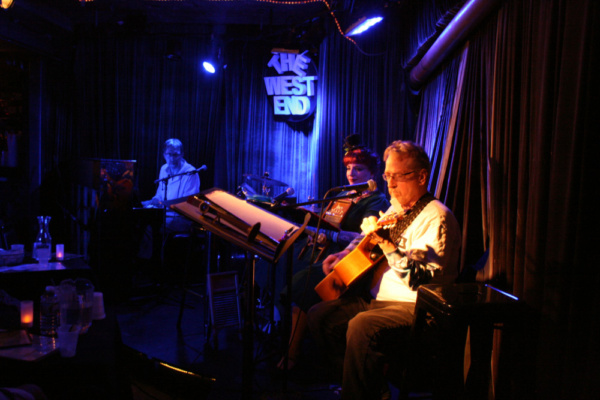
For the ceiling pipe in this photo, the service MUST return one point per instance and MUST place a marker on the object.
(466, 21)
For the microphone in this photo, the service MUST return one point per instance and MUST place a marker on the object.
(196, 171)
(359, 187)
(288, 192)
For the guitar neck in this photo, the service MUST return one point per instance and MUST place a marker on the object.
(385, 225)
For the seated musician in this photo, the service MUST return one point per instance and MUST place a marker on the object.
(361, 164)
(177, 179)
(359, 331)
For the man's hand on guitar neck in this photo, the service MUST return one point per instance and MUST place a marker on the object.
(370, 226)
(332, 260)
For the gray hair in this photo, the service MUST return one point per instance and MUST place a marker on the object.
(405, 148)
(175, 144)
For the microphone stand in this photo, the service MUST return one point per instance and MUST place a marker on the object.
(324, 200)
(164, 223)
(321, 212)
(289, 281)
(166, 178)
(166, 182)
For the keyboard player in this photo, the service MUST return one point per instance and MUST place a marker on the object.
(177, 180)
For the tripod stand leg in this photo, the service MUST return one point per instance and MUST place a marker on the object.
(248, 332)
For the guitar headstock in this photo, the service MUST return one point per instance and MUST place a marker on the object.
(388, 221)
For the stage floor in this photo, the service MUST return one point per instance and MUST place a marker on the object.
(149, 331)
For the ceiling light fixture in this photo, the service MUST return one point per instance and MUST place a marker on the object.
(213, 61)
(362, 25)
(369, 16)
(209, 67)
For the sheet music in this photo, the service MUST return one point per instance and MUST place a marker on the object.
(271, 225)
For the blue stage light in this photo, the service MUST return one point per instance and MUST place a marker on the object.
(209, 67)
(362, 25)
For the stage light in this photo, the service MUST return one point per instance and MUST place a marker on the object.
(213, 62)
(362, 25)
(209, 67)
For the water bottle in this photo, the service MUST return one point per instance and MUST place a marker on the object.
(49, 312)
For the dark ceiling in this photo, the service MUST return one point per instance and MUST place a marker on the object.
(50, 20)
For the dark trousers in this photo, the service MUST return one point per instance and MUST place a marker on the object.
(360, 335)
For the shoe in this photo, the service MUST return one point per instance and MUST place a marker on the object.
(291, 363)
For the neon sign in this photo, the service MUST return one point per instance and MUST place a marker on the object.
(290, 84)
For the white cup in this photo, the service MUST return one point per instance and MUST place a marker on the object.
(43, 255)
(67, 340)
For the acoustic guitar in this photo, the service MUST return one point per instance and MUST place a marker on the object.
(354, 266)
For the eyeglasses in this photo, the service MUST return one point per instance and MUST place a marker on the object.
(397, 177)
(174, 155)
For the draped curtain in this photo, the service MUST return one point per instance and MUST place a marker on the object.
(363, 90)
(542, 139)
(357, 92)
(132, 97)
(519, 176)
(253, 142)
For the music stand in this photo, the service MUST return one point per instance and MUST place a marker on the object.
(253, 229)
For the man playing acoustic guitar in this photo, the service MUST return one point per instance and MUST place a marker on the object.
(359, 330)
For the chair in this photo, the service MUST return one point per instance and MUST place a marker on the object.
(224, 303)
(443, 316)
(181, 249)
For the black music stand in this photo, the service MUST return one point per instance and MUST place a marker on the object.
(253, 229)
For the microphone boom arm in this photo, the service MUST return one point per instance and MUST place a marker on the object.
(326, 200)
(194, 171)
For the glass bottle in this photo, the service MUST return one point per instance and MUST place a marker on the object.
(43, 238)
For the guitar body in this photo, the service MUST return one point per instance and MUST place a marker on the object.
(355, 265)
(349, 270)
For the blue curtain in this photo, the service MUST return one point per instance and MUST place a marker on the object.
(131, 98)
(252, 142)
(362, 92)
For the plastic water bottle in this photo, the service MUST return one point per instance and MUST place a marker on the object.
(49, 312)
